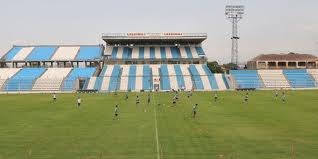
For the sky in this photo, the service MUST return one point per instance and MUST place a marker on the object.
(268, 26)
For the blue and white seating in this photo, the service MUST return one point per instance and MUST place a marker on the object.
(76, 73)
(11, 53)
(110, 78)
(126, 80)
(299, 78)
(139, 80)
(147, 83)
(155, 52)
(65, 54)
(164, 78)
(22, 54)
(314, 74)
(6, 73)
(95, 83)
(246, 79)
(24, 79)
(89, 53)
(43, 53)
(221, 81)
(51, 80)
(273, 79)
(203, 78)
(188, 84)
(54, 53)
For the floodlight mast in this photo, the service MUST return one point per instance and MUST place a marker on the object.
(234, 13)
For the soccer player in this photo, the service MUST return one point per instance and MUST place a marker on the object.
(79, 100)
(174, 101)
(276, 94)
(137, 100)
(284, 97)
(126, 97)
(246, 98)
(54, 97)
(176, 96)
(116, 111)
(148, 99)
(189, 94)
(194, 110)
(215, 97)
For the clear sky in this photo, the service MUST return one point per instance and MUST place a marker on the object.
(269, 26)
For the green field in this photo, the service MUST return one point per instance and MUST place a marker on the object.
(32, 126)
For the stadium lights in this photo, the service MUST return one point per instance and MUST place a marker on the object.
(234, 13)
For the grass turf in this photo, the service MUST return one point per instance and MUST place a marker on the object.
(32, 126)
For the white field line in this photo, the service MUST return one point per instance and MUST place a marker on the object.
(157, 136)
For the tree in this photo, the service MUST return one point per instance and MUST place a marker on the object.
(214, 67)
(231, 66)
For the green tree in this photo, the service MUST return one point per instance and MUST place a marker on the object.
(214, 67)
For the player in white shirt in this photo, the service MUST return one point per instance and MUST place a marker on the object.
(54, 97)
(194, 110)
(116, 111)
(79, 100)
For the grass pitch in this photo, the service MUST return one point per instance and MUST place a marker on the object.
(32, 126)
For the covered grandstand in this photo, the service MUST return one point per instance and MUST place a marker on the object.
(146, 61)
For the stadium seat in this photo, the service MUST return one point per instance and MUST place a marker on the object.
(106, 77)
(206, 80)
(24, 79)
(135, 53)
(139, 78)
(211, 77)
(200, 51)
(89, 53)
(179, 76)
(76, 73)
(10, 55)
(114, 80)
(198, 84)
(314, 75)
(163, 53)
(154, 52)
(246, 79)
(299, 78)
(172, 77)
(164, 76)
(189, 53)
(147, 78)
(188, 84)
(95, 83)
(126, 80)
(22, 54)
(6, 73)
(273, 78)
(51, 80)
(127, 53)
(65, 53)
(41, 54)
(175, 53)
(141, 51)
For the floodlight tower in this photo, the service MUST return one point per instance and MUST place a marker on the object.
(234, 13)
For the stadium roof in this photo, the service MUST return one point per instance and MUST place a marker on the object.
(285, 57)
(154, 38)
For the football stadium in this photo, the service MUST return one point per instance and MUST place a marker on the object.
(154, 96)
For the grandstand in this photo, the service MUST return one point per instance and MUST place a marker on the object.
(274, 79)
(144, 62)
(47, 68)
